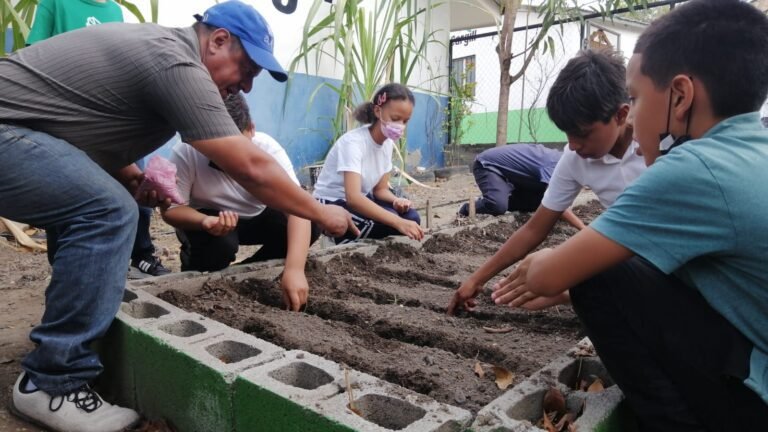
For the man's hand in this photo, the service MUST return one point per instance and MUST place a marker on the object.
(131, 177)
(150, 199)
(220, 225)
(295, 289)
(401, 205)
(337, 221)
(464, 297)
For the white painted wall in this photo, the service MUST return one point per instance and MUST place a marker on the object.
(543, 69)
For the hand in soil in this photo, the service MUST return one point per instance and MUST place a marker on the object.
(295, 289)
(411, 229)
(464, 297)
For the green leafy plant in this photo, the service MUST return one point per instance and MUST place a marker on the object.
(373, 46)
(19, 18)
(458, 113)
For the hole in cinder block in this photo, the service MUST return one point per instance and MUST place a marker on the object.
(529, 407)
(452, 426)
(129, 296)
(584, 369)
(232, 351)
(144, 310)
(302, 375)
(388, 412)
(184, 328)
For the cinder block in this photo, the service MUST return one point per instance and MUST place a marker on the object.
(303, 392)
(174, 375)
(185, 282)
(165, 279)
(140, 309)
(518, 408)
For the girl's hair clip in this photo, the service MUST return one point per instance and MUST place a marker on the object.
(382, 99)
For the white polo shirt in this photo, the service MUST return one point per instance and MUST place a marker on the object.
(607, 177)
(202, 185)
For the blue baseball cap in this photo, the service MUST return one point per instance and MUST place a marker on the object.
(245, 22)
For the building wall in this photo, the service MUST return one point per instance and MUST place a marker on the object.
(528, 93)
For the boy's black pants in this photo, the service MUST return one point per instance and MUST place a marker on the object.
(201, 251)
(680, 364)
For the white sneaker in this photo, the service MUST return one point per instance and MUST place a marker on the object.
(82, 410)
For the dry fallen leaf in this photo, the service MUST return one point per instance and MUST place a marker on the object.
(554, 401)
(547, 422)
(498, 330)
(479, 370)
(566, 420)
(596, 387)
(503, 377)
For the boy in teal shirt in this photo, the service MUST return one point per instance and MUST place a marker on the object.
(54, 17)
(671, 282)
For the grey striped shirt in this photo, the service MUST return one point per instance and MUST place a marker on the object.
(117, 91)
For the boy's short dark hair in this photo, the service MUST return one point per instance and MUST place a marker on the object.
(590, 88)
(724, 43)
(238, 109)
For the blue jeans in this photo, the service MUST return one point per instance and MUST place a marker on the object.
(91, 218)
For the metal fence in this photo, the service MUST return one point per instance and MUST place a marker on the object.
(475, 72)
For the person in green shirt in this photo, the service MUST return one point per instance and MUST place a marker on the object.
(54, 17)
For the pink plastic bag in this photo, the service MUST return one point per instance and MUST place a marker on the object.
(160, 176)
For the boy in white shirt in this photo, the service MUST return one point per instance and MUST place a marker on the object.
(220, 215)
(588, 101)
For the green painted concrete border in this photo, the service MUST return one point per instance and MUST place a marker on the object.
(165, 381)
(145, 372)
(275, 413)
(480, 128)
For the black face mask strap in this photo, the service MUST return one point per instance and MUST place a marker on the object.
(667, 141)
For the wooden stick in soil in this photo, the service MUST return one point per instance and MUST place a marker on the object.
(471, 208)
(351, 405)
(429, 214)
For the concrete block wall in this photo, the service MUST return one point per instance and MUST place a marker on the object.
(517, 409)
(203, 376)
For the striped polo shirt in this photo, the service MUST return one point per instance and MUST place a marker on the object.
(116, 91)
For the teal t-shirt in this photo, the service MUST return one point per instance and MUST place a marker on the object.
(54, 17)
(701, 212)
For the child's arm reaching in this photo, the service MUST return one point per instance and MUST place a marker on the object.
(551, 272)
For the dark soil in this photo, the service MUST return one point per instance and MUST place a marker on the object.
(385, 315)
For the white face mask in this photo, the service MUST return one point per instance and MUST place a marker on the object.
(392, 130)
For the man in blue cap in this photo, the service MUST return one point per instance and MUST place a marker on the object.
(81, 107)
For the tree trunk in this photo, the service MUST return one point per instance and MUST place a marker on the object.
(505, 61)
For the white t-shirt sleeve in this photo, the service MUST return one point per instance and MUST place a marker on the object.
(563, 186)
(350, 154)
(183, 156)
(271, 146)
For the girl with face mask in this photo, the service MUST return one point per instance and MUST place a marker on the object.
(356, 171)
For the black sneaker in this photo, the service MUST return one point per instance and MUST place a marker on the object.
(151, 266)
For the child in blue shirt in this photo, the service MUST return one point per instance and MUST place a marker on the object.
(671, 282)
